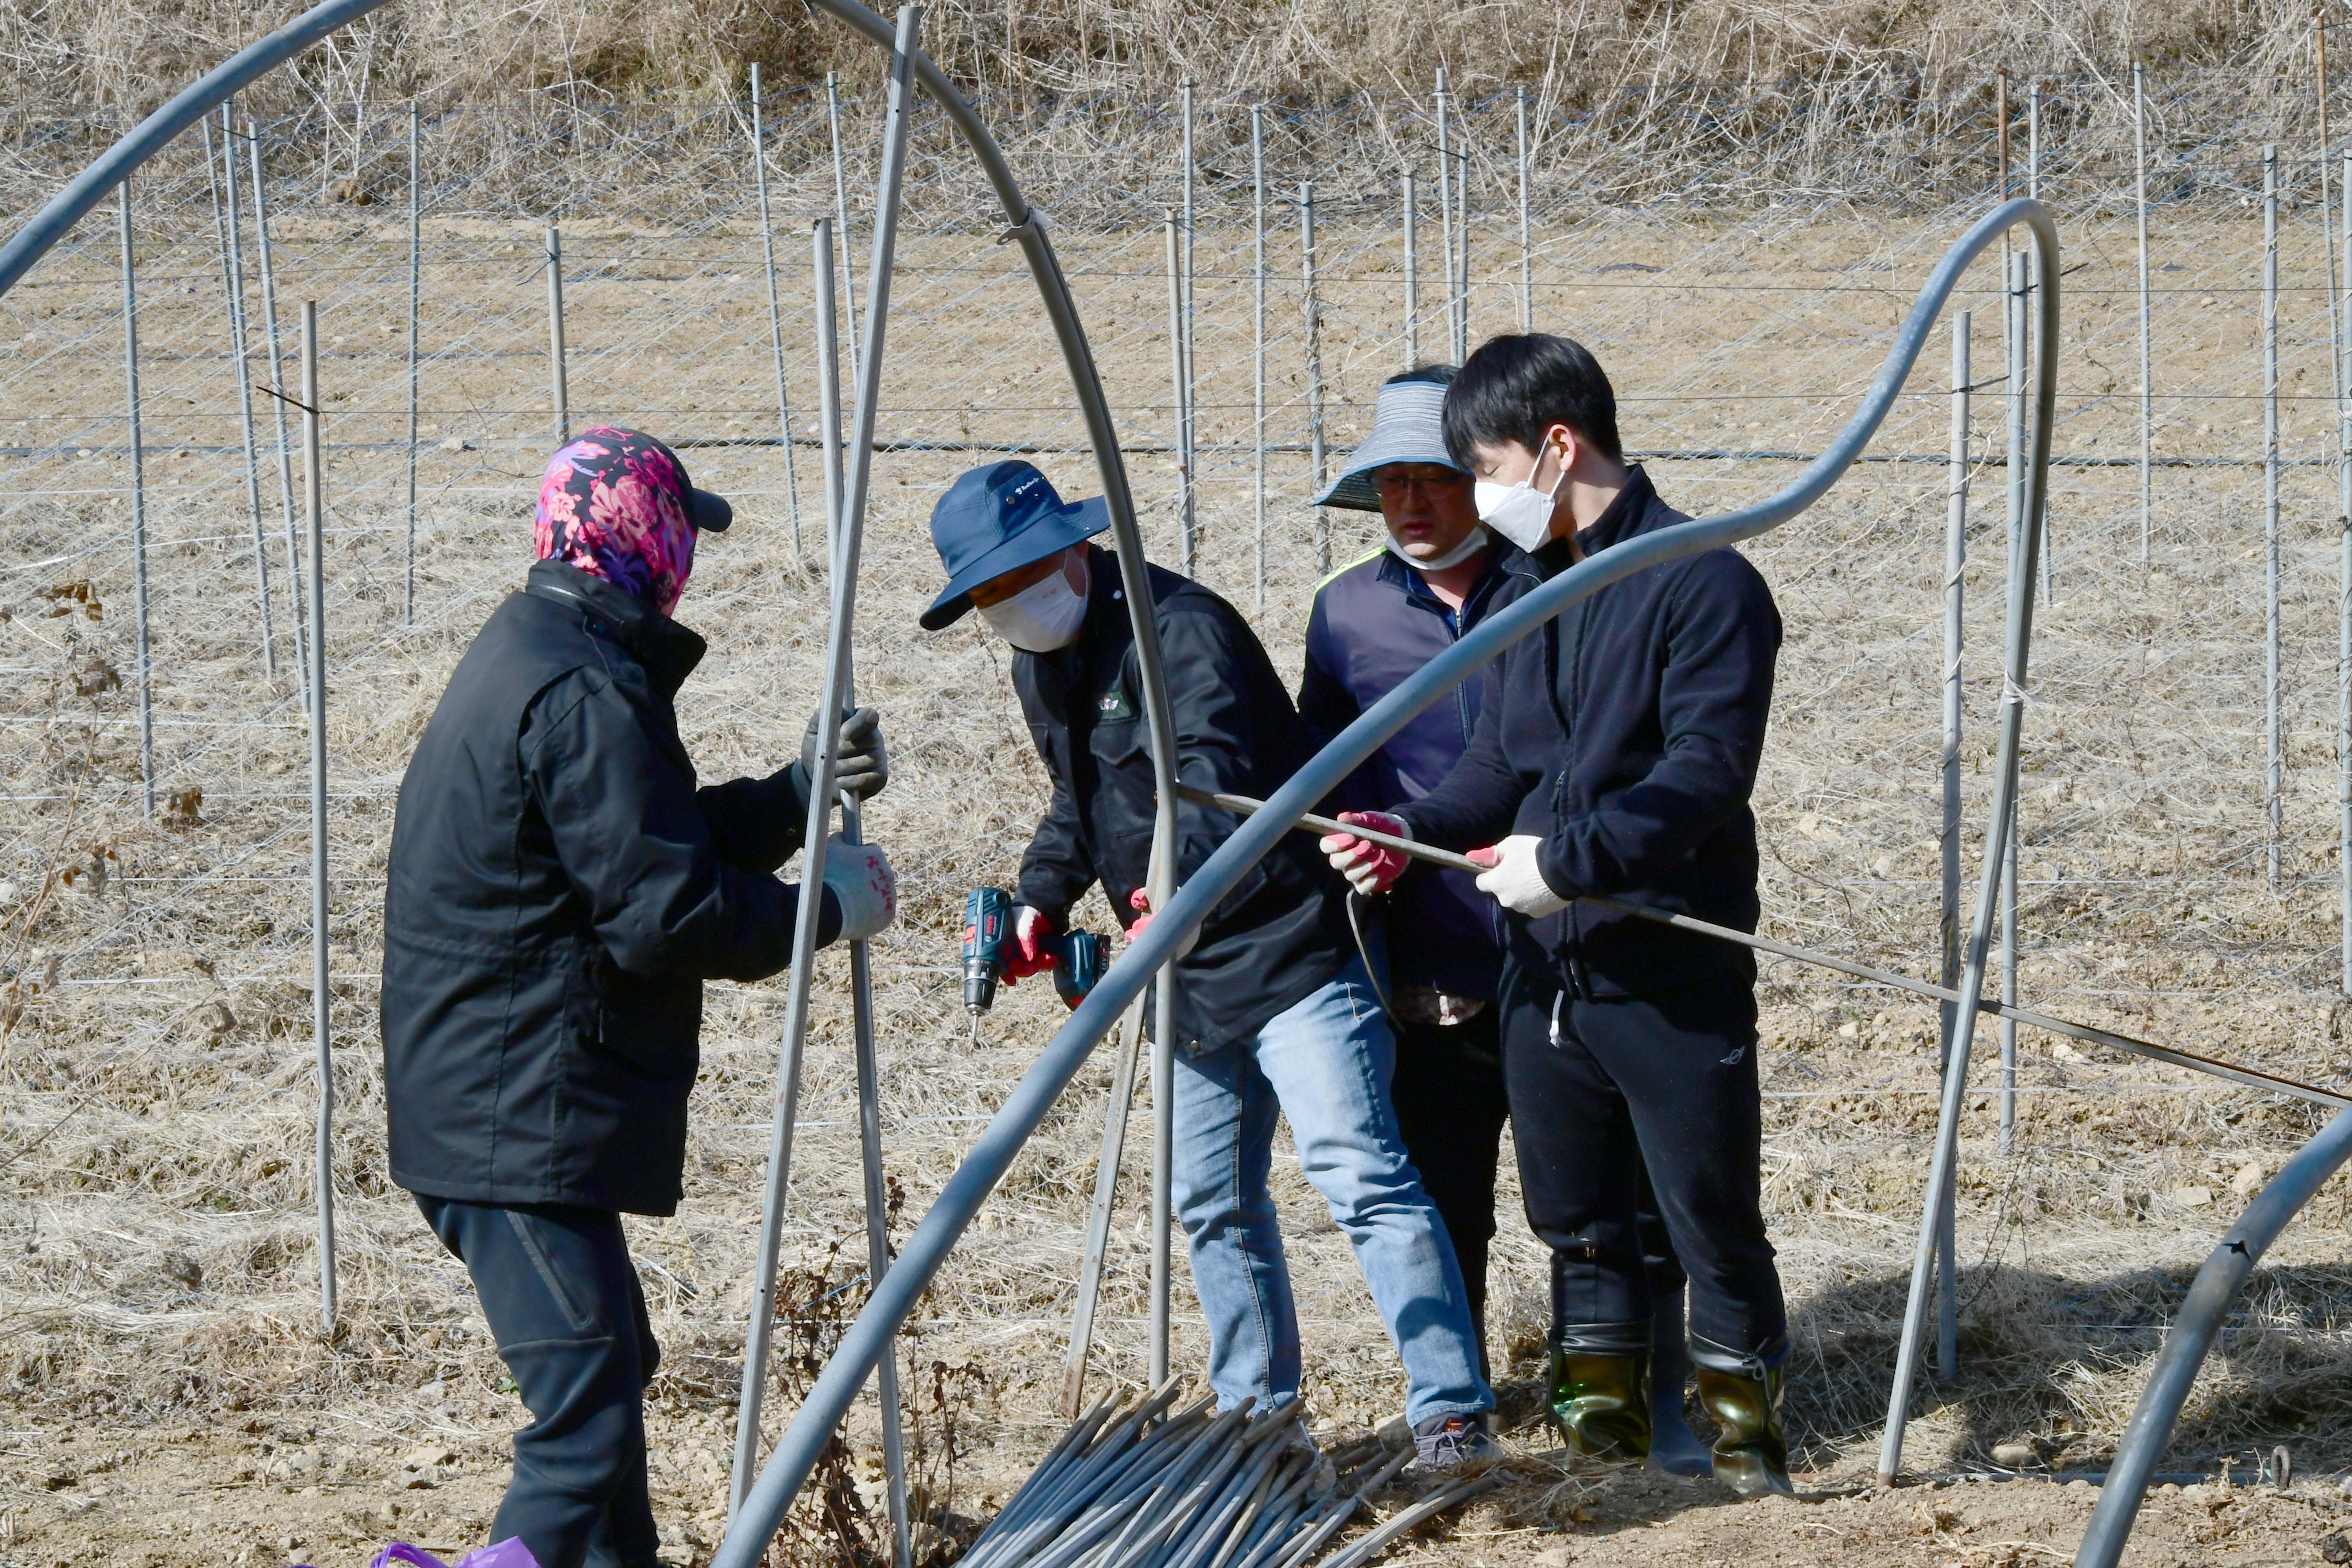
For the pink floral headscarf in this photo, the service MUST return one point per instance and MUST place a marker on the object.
(613, 504)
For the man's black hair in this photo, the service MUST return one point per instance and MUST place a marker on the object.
(1435, 374)
(1516, 387)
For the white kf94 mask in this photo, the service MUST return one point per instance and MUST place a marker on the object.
(1043, 617)
(1520, 513)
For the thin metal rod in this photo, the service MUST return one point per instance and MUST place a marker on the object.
(278, 410)
(1257, 340)
(841, 212)
(2146, 378)
(1948, 925)
(861, 967)
(845, 555)
(415, 287)
(2342, 352)
(2249, 1077)
(1462, 259)
(1314, 311)
(1028, 1101)
(2020, 292)
(775, 315)
(1098, 1217)
(2275, 772)
(1445, 211)
(2194, 1328)
(1187, 404)
(138, 512)
(2034, 193)
(1527, 230)
(1170, 224)
(233, 287)
(558, 387)
(314, 508)
(1411, 277)
(2001, 829)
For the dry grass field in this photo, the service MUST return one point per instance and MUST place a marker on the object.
(168, 1396)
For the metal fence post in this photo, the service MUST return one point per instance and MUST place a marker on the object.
(2033, 190)
(1188, 405)
(2146, 404)
(861, 969)
(844, 557)
(138, 511)
(1527, 230)
(841, 213)
(1171, 224)
(1462, 258)
(1411, 278)
(2276, 774)
(1955, 557)
(1314, 366)
(233, 285)
(559, 390)
(278, 412)
(2020, 300)
(314, 504)
(415, 287)
(2344, 582)
(775, 311)
(1445, 205)
(1257, 333)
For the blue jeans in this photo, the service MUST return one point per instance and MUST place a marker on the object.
(1325, 1063)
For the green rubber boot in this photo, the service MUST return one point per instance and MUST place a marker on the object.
(1751, 1452)
(1602, 1404)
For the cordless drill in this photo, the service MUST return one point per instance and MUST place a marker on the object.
(987, 937)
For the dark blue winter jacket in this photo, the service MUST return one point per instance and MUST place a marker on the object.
(1374, 623)
(1625, 735)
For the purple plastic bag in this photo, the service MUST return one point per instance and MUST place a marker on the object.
(508, 1553)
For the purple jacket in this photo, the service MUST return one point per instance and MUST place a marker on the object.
(1374, 623)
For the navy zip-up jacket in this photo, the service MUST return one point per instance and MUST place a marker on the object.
(1374, 623)
(1282, 931)
(1626, 736)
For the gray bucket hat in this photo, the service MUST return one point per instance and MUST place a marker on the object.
(1407, 428)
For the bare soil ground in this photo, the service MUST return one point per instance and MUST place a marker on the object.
(167, 1396)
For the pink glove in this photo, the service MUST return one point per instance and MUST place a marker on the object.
(1140, 901)
(1369, 867)
(1031, 952)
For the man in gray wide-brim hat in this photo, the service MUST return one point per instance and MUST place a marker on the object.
(1375, 622)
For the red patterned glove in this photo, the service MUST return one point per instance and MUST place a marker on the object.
(1369, 867)
(1031, 952)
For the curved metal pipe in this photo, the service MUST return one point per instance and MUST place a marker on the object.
(159, 130)
(2223, 1275)
(1025, 1107)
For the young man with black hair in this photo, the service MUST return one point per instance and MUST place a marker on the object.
(1615, 752)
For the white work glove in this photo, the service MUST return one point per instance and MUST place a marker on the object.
(1515, 881)
(858, 877)
(1369, 867)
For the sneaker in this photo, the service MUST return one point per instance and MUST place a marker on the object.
(1449, 1442)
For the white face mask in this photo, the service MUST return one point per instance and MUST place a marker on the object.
(1043, 617)
(1520, 513)
(1472, 542)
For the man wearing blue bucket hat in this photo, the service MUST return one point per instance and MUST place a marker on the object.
(1376, 621)
(1275, 1011)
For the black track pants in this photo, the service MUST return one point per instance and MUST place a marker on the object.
(1668, 1083)
(1451, 1108)
(565, 1307)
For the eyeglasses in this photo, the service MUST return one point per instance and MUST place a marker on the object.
(1391, 481)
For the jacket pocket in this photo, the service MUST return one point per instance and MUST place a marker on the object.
(651, 1024)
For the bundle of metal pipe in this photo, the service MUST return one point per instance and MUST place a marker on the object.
(1143, 1488)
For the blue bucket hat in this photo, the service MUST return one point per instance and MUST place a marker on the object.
(1407, 428)
(996, 520)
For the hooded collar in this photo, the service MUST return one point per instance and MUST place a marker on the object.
(668, 650)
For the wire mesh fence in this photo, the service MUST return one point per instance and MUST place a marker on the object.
(1737, 255)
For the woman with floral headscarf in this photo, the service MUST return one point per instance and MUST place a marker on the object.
(558, 890)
